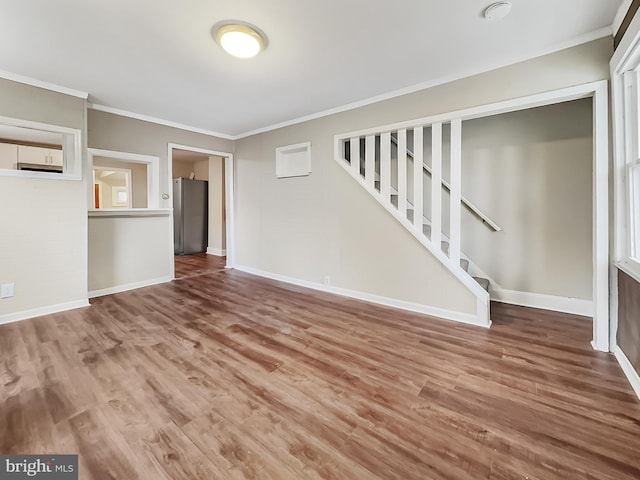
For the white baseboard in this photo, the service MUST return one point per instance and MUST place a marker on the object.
(629, 371)
(218, 252)
(38, 312)
(369, 297)
(128, 286)
(545, 302)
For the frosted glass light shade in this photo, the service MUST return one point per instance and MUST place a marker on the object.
(241, 41)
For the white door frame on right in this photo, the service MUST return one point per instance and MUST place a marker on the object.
(229, 183)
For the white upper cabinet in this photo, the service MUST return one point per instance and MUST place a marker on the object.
(39, 155)
(39, 150)
(57, 158)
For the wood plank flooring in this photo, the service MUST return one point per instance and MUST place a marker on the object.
(197, 264)
(223, 375)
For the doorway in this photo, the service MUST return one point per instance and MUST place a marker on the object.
(189, 169)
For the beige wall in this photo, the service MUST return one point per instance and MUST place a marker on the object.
(326, 225)
(138, 179)
(531, 172)
(127, 250)
(309, 228)
(183, 169)
(43, 244)
(201, 169)
(148, 257)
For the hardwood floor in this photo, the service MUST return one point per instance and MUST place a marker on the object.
(224, 375)
(197, 264)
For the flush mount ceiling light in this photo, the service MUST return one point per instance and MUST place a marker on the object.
(239, 39)
(497, 11)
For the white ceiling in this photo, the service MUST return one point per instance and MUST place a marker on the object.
(157, 57)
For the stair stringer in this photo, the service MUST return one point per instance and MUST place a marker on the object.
(482, 317)
(474, 270)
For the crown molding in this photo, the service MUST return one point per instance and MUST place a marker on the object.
(34, 82)
(586, 38)
(159, 121)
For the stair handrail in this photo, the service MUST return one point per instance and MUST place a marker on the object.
(466, 202)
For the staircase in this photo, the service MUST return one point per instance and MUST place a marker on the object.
(390, 163)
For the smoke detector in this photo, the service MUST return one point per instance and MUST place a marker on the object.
(497, 11)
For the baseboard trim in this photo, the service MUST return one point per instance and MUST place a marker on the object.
(545, 302)
(629, 371)
(218, 252)
(440, 313)
(128, 286)
(38, 312)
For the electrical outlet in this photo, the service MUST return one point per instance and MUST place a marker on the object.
(327, 280)
(7, 290)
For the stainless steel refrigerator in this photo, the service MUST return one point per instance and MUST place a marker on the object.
(190, 216)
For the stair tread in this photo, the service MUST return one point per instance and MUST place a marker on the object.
(484, 282)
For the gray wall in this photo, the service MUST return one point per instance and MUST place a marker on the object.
(531, 172)
(133, 251)
(326, 225)
(43, 240)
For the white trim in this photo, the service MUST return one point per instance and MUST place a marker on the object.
(629, 269)
(545, 302)
(130, 212)
(579, 40)
(629, 371)
(158, 121)
(38, 312)
(230, 209)
(455, 195)
(153, 173)
(218, 252)
(127, 156)
(229, 182)
(598, 91)
(625, 58)
(129, 286)
(285, 170)
(72, 151)
(439, 313)
(14, 77)
(434, 248)
(600, 209)
(620, 14)
(505, 106)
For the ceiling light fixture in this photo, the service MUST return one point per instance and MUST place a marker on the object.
(238, 39)
(497, 11)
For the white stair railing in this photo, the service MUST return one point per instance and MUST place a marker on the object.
(372, 168)
(465, 201)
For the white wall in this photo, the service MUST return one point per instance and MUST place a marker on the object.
(144, 252)
(326, 225)
(43, 223)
